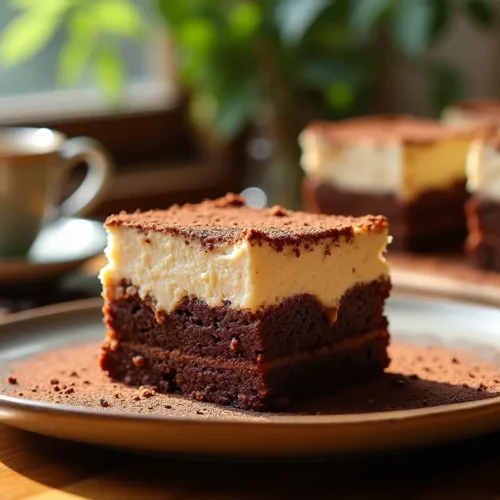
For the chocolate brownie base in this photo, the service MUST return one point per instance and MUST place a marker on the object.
(434, 221)
(196, 329)
(483, 242)
(247, 385)
(243, 358)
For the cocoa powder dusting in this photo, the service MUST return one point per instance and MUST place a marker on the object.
(419, 377)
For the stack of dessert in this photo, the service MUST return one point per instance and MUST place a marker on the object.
(244, 307)
(433, 180)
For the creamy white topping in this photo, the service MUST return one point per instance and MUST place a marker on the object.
(368, 167)
(406, 170)
(458, 117)
(483, 170)
(166, 269)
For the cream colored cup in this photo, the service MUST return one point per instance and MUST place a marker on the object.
(34, 163)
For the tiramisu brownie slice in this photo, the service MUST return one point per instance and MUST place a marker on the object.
(241, 306)
(410, 170)
(483, 208)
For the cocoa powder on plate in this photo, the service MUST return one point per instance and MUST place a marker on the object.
(418, 377)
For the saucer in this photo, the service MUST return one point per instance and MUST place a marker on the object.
(60, 247)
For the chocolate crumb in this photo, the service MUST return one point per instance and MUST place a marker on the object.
(471, 375)
(278, 211)
(199, 396)
(414, 376)
(116, 395)
(70, 390)
(73, 374)
(20, 394)
(168, 407)
(33, 390)
(198, 412)
(138, 360)
(147, 392)
(455, 361)
(12, 380)
(86, 382)
(235, 345)
(114, 345)
(57, 388)
(103, 402)
(136, 398)
(54, 381)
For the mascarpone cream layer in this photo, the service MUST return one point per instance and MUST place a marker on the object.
(483, 170)
(165, 268)
(406, 170)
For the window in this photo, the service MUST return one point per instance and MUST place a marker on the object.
(29, 92)
(158, 157)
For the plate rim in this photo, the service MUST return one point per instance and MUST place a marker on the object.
(16, 404)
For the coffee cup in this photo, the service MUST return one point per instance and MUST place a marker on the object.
(34, 165)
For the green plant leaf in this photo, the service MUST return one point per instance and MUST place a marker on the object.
(118, 17)
(340, 95)
(72, 59)
(244, 19)
(174, 12)
(442, 11)
(365, 14)
(294, 17)
(411, 26)
(26, 35)
(481, 12)
(322, 72)
(110, 73)
(198, 34)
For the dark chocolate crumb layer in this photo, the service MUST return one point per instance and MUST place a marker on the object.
(247, 385)
(483, 242)
(227, 220)
(300, 323)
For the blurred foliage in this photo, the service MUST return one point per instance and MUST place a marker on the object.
(242, 59)
(92, 27)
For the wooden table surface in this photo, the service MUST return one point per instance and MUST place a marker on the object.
(37, 468)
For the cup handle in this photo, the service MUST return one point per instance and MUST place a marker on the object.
(100, 169)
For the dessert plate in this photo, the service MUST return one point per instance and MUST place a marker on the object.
(210, 431)
(59, 248)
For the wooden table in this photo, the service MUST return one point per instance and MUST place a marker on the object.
(37, 468)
